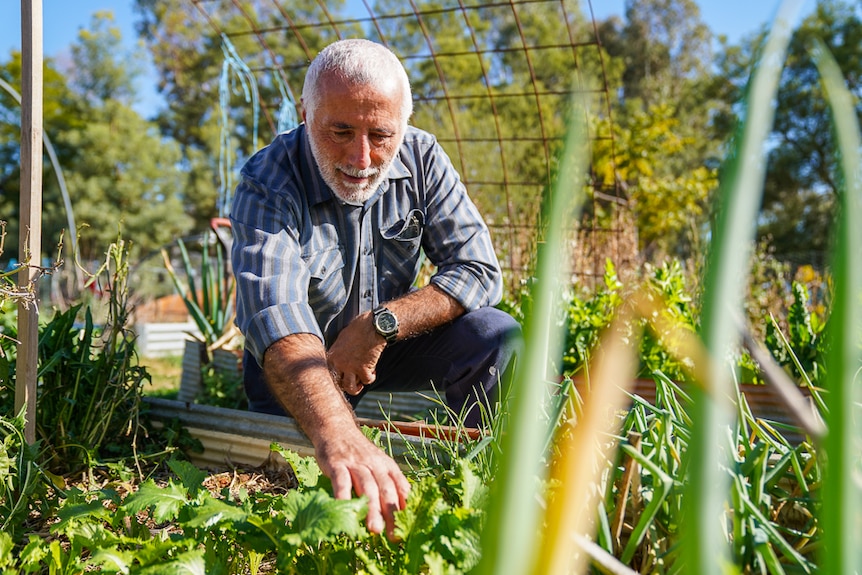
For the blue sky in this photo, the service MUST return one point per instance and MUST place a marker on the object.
(63, 18)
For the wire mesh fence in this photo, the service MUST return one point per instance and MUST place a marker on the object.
(495, 82)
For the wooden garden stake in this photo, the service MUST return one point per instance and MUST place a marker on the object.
(30, 234)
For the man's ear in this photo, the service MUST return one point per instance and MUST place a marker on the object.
(302, 110)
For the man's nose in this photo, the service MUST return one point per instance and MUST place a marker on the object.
(359, 153)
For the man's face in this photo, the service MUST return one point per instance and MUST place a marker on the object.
(354, 134)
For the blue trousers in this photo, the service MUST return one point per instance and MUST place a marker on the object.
(465, 359)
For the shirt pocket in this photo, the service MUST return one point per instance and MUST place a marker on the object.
(400, 249)
(326, 286)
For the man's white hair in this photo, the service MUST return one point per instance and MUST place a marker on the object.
(359, 62)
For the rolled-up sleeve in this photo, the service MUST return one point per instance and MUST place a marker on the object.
(458, 241)
(272, 279)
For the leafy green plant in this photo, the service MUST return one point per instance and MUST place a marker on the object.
(801, 351)
(222, 388)
(586, 317)
(179, 526)
(21, 480)
(90, 382)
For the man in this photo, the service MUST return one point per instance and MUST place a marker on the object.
(329, 224)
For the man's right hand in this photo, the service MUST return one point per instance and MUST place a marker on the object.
(296, 371)
(353, 463)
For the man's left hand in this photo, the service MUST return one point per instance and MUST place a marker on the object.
(353, 357)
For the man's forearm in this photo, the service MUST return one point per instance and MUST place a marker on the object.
(422, 310)
(296, 371)
(297, 374)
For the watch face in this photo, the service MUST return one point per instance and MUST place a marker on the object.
(386, 322)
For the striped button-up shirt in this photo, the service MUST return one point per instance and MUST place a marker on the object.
(306, 262)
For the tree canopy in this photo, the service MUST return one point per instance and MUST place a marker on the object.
(120, 172)
(674, 100)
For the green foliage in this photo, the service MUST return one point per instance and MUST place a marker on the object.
(116, 165)
(21, 481)
(222, 388)
(801, 184)
(90, 383)
(771, 517)
(793, 335)
(104, 70)
(305, 531)
(133, 181)
(179, 526)
(667, 47)
(667, 135)
(802, 180)
(210, 303)
(60, 113)
(588, 315)
(801, 350)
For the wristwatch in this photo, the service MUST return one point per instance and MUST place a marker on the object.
(385, 323)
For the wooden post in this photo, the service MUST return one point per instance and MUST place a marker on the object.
(30, 234)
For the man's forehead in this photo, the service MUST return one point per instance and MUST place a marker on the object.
(385, 86)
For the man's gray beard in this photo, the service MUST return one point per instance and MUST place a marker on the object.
(352, 194)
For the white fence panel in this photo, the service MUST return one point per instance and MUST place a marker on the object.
(163, 339)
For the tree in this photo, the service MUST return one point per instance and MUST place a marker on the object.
(671, 209)
(801, 182)
(669, 124)
(119, 171)
(102, 69)
(125, 174)
(665, 46)
(60, 113)
(133, 184)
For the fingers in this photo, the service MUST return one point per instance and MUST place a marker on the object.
(351, 370)
(365, 483)
(386, 493)
(342, 483)
(391, 504)
(359, 466)
(350, 384)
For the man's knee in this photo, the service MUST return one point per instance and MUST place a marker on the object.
(493, 329)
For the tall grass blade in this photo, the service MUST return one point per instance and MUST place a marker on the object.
(740, 197)
(841, 497)
(786, 390)
(585, 449)
(664, 481)
(508, 537)
(207, 289)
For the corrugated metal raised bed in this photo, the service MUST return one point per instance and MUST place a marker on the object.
(231, 436)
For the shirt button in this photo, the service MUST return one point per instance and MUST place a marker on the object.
(366, 294)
